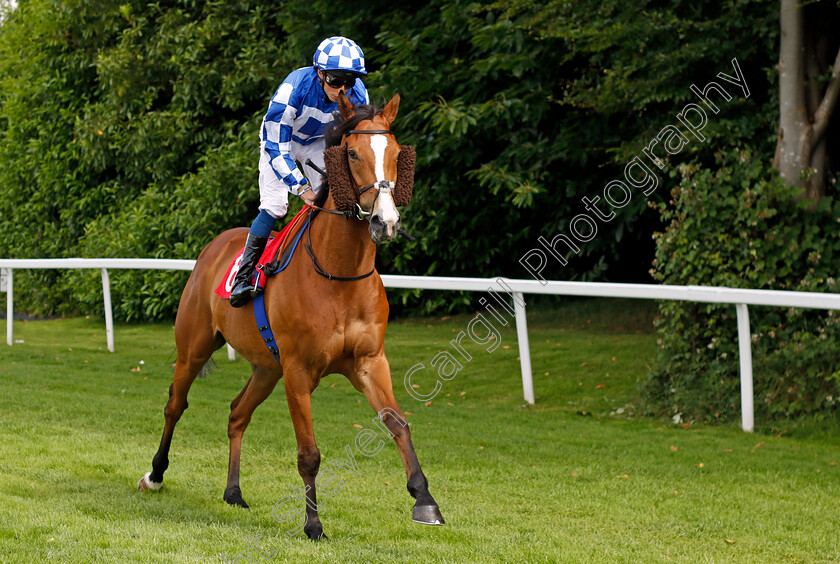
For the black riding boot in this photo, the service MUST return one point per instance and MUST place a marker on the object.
(243, 287)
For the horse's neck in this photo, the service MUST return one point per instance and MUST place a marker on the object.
(342, 246)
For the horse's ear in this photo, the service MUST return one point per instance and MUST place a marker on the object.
(345, 106)
(391, 108)
(405, 175)
(338, 178)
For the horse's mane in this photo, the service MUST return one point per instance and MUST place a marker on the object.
(336, 130)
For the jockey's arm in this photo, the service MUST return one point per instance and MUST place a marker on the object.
(278, 126)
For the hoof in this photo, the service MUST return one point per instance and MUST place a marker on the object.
(146, 484)
(233, 495)
(427, 515)
(315, 532)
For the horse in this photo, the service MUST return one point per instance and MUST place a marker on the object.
(328, 311)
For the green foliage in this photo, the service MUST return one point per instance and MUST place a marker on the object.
(741, 226)
(130, 128)
(520, 109)
(169, 224)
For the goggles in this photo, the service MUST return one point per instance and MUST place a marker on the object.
(337, 82)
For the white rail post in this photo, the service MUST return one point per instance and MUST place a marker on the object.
(109, 316)
(10, 305)
(745, 353)
(524, 347)
(231, 353)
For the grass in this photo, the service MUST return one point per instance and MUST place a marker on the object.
(566, 480)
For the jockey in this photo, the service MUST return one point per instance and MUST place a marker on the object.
(293, 130)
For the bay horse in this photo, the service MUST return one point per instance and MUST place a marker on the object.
(328, 311)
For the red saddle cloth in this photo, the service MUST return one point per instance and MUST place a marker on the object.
(275, 243)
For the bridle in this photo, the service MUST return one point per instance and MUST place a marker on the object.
(360, 214)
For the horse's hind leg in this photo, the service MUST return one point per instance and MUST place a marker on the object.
(192, 355)
(259, 387)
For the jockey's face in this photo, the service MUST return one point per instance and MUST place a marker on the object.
(332, 92)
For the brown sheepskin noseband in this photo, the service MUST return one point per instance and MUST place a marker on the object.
(343, 189)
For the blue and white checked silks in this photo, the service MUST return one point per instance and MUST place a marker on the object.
(339, 53)
(295, 120)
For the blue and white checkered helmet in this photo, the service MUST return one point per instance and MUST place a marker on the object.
(340, 54)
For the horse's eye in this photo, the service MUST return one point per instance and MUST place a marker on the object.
(352, 154)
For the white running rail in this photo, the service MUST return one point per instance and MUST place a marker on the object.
(741, 298)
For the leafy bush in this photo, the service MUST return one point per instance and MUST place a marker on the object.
(129, 129)
(174, 222)
(741, 226)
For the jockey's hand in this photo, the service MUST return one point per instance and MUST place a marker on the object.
(309, 196)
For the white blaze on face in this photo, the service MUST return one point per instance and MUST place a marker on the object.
(387, 210)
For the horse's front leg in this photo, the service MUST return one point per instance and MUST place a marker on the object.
(373, 378)
(299, 397)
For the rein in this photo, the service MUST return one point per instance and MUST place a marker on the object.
(360, 213)
(316, 265)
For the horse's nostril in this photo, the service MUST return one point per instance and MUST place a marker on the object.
(376, 222)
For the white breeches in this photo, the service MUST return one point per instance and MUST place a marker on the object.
(274, 193)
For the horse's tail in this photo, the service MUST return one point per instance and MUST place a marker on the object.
(209, 367)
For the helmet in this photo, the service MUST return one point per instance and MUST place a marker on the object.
(341, 56)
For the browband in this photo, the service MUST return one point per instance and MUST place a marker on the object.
(370, 131)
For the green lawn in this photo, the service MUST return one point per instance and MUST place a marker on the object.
(571, 479)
